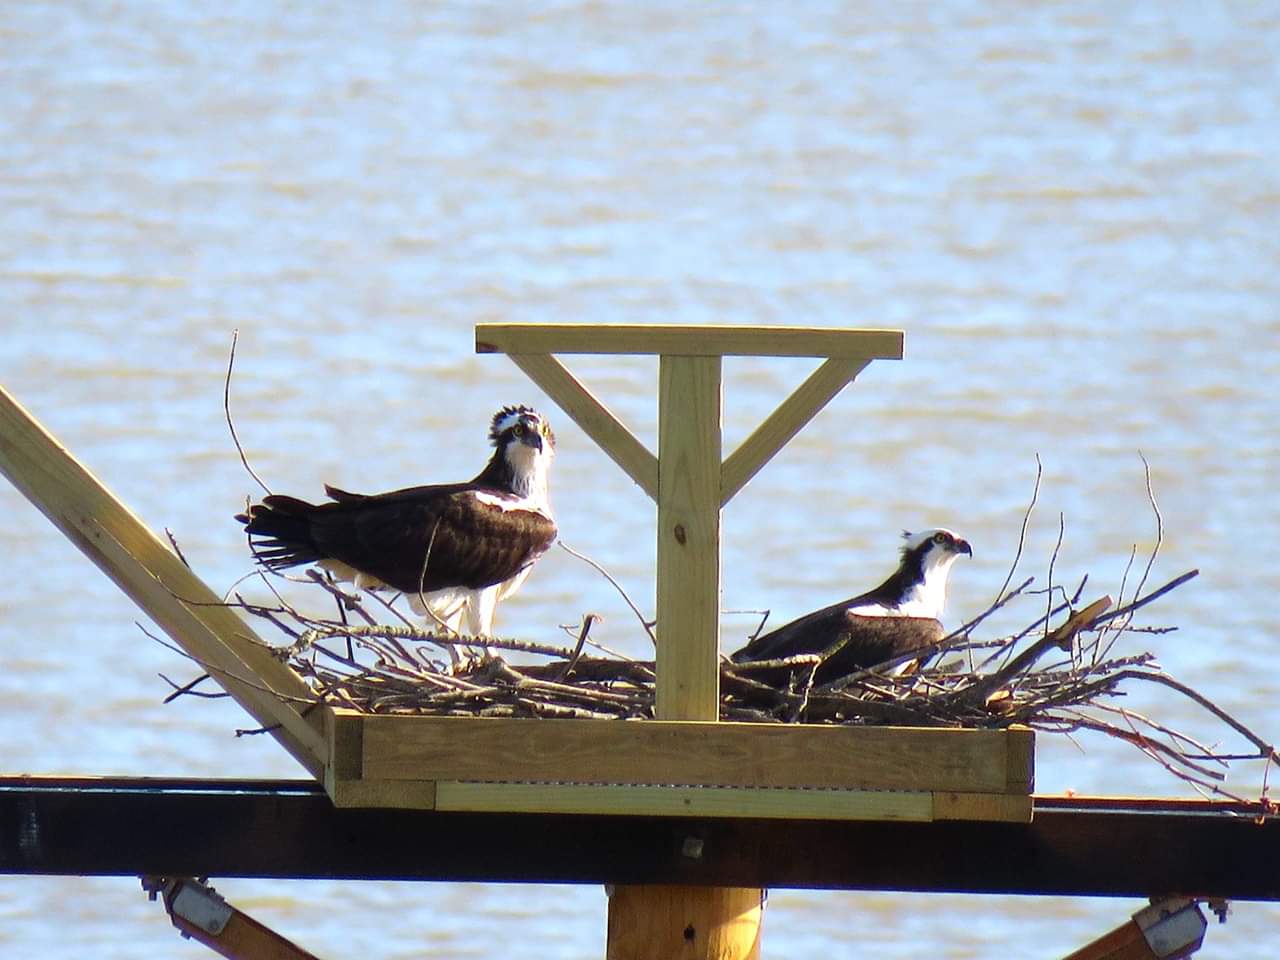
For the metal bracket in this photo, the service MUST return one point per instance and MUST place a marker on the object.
(1173, 927)
(201, 906)
(192, 901)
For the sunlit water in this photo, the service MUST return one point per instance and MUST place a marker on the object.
(1071, 209)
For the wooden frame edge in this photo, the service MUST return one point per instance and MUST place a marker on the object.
(675, 801)
(690, 340)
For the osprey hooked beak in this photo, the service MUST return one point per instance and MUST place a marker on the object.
(530, 436)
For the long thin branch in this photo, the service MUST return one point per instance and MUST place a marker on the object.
(1056, 638)
(1152, 596)
(1206, 703)
(647, 624)
(226, 409)
(1022, 533)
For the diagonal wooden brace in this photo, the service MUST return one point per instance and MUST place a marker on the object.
(150, 574)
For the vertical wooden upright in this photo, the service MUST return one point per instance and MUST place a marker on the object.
(699, 923)
(688, 575)
(690, 483)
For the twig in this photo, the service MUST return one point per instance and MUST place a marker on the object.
(569, 664)
(1155, 508)
(173, 542)
(214, 669)
(1143, 601)
(189, 689)
(1022, 534)
(1053, 559)
(1057, 638)
(226, 409)
(1199, 698)
(647, 624)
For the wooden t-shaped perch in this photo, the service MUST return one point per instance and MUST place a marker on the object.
(687, 478)
(690, 483)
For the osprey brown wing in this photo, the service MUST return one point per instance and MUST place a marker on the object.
(420, 538)
(867, 641)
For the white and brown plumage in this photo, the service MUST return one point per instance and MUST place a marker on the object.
(454, 549)
(901, 615)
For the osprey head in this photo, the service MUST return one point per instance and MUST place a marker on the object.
(935, 545)
(927, 557)
(525, 448)
(524, 425)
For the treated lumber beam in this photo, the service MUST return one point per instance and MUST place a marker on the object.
(201, 914)
(86, 826)
(688, 574)
(694, 754)
(785, 422)
(1169, 929)
(596, 420)
(688, 340)
(151, 575)
(655, 801)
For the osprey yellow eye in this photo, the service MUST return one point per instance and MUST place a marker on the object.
(520, 430)
(939, 538)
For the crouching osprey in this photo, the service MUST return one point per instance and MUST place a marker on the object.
(454, 549)
(900, 615)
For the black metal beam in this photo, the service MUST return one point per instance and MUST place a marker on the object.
(289, 829)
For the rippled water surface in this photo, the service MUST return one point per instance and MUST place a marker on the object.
(1071, 209)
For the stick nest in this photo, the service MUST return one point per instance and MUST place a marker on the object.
(1056, 674)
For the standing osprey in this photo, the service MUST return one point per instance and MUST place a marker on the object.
(454, 549)
(900, 615)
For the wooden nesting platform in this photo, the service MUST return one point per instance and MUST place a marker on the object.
(684, 764)
(678, 768)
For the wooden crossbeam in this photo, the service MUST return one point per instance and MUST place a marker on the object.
(150, 574)
(688, 340)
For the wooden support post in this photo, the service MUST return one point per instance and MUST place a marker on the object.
(690, 484)
(688, 576)
(684, 923)
(694, 923)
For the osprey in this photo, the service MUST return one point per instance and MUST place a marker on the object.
(900, 615)
(454, 549)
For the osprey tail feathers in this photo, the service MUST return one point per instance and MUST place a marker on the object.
(285, 524)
